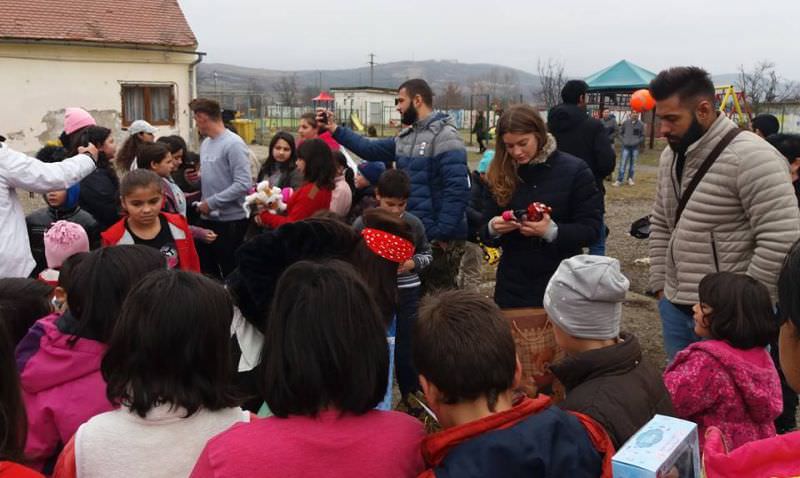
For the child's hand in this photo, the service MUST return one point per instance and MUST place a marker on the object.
(407, 266)
(209, 236)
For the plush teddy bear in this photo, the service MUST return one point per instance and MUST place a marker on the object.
(271, 198)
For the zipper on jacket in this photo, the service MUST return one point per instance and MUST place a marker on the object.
(714, 252)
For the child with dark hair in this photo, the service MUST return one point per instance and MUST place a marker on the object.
(367, 175)
(342, 196)
(59, 358)
(729, 380)
(324, 369)
(13, 424)
(23, 302)
(314, 160)
(167, 367)
(99, 194)
(62, 205)
(157, 158)
(280, 168)
(465, 355)
(393, 189)
(142, 199)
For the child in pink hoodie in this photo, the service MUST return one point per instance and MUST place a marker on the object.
(59, 358)
(729, 381)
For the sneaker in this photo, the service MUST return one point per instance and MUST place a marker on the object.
(615, 184)
(630, 182)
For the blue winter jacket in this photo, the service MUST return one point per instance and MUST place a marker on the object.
(433, 154)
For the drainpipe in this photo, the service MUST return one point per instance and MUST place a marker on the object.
(192, 79)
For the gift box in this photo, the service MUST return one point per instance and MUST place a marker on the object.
(664, 447)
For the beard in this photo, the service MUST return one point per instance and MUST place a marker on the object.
(409, 116)
(680, 144)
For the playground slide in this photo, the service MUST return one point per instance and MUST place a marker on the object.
(356, 121)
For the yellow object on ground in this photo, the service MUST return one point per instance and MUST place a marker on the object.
(246, 129)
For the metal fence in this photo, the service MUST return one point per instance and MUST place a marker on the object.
(269, 118)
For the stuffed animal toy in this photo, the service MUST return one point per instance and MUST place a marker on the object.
(272, 198)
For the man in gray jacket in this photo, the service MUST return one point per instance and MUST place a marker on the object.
(741, 218)
(632, 134)
(225, 179)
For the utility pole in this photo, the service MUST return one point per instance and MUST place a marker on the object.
(371, 69)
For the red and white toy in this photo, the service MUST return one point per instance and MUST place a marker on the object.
(534, 213)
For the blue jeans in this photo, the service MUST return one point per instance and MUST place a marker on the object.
(629, 156)
(386, 403)
(599, 247)
(407, 305)
(678, 328)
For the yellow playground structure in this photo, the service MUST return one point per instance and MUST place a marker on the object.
(733, 104)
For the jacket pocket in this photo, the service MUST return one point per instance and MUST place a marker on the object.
(714, 252)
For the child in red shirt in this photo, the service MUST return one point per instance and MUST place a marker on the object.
(315, 161)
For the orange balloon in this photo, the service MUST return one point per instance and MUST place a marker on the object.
(642, 100)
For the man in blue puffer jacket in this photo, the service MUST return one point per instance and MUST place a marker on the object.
(433, 154)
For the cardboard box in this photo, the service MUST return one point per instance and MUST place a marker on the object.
(665, 447)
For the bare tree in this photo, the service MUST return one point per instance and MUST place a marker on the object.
(761, 84)
(451, 98)
(308, 93)
(551, 81)
(287, 89)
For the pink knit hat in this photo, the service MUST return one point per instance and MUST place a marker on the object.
(77, 118)
(63, 240)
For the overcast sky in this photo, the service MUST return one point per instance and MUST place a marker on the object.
(586, 35)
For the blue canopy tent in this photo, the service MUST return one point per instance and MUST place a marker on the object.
(615, 84)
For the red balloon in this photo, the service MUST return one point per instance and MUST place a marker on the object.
(642, 100)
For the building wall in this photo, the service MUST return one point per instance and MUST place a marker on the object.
(38, 81)
(364, 102)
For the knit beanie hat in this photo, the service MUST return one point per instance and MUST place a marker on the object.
(372, 170)
(584, 297)
(77, 118)
(63, 240)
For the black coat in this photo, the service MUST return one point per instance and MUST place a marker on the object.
(40, 220)
(100, 197)
(615, 386)
(478, 194)
(566, 184)
(579, 135)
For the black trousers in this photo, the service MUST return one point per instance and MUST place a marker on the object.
(218, 259)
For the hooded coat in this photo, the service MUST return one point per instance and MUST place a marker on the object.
(62, 386)
(738, 391)
(584, 137)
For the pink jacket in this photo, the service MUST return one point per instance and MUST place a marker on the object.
(776, 456)
(61, 385)
(342, 197)
(384, 444)
(737, 391)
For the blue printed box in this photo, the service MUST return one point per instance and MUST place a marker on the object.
(665, 447)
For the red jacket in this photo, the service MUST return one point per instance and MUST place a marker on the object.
(303, 204)
(118, 235)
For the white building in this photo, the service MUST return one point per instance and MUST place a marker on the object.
(120, 60)
(373, 106)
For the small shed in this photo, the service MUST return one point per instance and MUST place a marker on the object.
(613, 86)
(366, 105)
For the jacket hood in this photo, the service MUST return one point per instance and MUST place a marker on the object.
(752, 374)
(263, 259)
(46, 359)
(565, 117)
(435, 122)
(617, 359)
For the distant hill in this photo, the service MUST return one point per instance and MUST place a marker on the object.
(471, 77)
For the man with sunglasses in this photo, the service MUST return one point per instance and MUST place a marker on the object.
(432, 152)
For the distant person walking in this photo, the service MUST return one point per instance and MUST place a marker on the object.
(632, 134)
(479, 129)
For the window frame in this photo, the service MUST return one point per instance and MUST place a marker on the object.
(148, 113)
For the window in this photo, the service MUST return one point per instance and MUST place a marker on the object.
(152, 103)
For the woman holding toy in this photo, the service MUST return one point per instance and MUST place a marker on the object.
(543, 207)
(315, 161)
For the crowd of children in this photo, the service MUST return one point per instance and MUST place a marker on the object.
(125, 360)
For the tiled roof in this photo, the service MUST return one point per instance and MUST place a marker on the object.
(143, 22)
